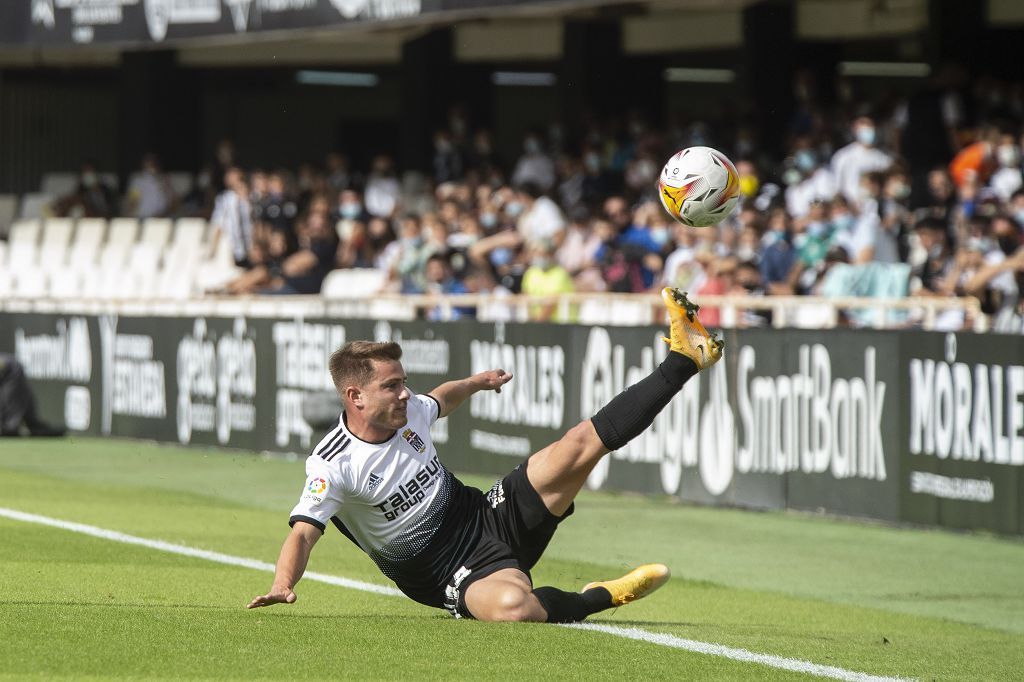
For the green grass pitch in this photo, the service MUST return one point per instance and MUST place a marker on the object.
(862, 597)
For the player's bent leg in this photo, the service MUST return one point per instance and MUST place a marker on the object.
(505, 595)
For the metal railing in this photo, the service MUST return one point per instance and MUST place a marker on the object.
(810, 312)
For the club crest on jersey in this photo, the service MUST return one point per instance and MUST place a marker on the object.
(414, 440)
(412, 492)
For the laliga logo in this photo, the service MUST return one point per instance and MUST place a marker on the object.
(317, 486)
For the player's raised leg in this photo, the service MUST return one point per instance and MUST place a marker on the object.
(559, 471)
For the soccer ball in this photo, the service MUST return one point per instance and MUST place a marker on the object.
(699, 186)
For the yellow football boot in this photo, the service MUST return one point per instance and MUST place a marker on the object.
(686, 334)
(636, 584)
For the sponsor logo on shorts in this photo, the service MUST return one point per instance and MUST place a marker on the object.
(496, 495)
(451, 591)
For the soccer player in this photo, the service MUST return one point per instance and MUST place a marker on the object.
(377, 477)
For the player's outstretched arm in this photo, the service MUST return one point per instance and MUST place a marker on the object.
(291, 564)
(451, 394)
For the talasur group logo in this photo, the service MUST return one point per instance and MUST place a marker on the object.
(317, 486)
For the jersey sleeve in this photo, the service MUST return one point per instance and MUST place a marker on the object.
(321, 497)
(429, 405)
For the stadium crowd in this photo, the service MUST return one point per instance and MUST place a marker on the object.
(919, 195)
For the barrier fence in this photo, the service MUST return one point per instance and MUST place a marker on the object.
(904, 426)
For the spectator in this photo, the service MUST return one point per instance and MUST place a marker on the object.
(778, 255)
(1007, 179)
(18, 404)
(150, 194)
(338, 177)
(545, 277)
(859, 157)
(232, 216)
(91, 198)
(303, 272)
(534, 167)
(539, 218)
(383, 190)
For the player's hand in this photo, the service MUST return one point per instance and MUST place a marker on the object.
(493, 380)
(275, 596)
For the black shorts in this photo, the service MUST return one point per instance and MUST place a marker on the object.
(516, 529)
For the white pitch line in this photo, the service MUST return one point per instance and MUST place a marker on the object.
(184, 550)
(792, 664)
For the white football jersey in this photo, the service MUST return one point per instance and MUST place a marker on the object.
(393, 499)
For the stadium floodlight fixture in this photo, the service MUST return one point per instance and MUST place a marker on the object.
(885, 69)
(524, 78)
(697, 75)
(344, 79)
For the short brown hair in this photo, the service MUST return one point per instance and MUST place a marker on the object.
(353, 362)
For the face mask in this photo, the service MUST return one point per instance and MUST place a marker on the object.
(900, 191)
(411, 242)
(541, 262)
(203, 181)
(1008, 244)
(816, 230)
(935, 251)
(592, 163)
(863, 194)
(746, 252)
(1019, 215)
(866, 135)
(979, 244)
(513, 208)
(791, 177)
(843, 222)
(350, 210)
(1008, 155)
(500, 257)
(443, 146)
(89, 179)
(660, 235)
(749, 185)
(488, 220)
(804, 160)
(744, 148)
(531, 146)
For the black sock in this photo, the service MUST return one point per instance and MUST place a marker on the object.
(572, 607)
(632, 411)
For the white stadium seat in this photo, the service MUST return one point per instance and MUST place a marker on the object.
(190, 231)
(353, 283)
(25, 231)
(30, 284)
(36, 205)
(90, 231)
(156, 231)
(144, 257)
(114, 256)
(86, 245)
(6, 283)
(23, 245)
(59, 184)
(66, 283)
(123, 231)
(53, 250)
